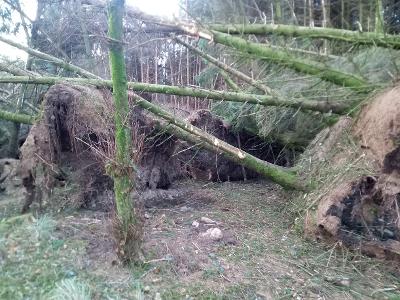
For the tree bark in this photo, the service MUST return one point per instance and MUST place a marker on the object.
(229, 82)
(379, 27)
(265, 100)
(16, 118)
(8, 68)
(122, 172)
(311, 12)
(364, 38)
(289, 61)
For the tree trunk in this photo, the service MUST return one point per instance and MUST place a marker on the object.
(16, 118)
(324, 24)
(289, 61)
(15, 128)
(229, 82)
(278, 11)
(342, 10)
(9, 68)
(311, 12)
(365, 38)
(265, 100)
(379, 26)
(129, 227)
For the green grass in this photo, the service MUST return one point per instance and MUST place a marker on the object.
(35, 263)
(70, 289)
(271, 261)
(30, 266)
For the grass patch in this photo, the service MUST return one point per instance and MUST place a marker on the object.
(70, 289)
(30, 265)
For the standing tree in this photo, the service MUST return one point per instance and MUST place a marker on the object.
(128, 227)
(379, 27)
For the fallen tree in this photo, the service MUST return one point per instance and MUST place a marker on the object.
(258, 50)
(285, 59)
(16, 117)
(265, 100)
(354, 37)
(283, 176)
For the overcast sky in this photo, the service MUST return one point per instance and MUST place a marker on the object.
(166, 8)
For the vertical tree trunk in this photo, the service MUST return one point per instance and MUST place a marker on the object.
(379, 27)
(278, 12)
(156, 68)
(16, 127)
(128, 227)
(311, 12)
(325, 5)
(188, 69)
(342, 11)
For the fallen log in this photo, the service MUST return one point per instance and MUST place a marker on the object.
(16, 117)
(289, 61)
(260, 51)
(265, 100)
(354, 37)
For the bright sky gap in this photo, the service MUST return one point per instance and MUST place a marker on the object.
(165, 8)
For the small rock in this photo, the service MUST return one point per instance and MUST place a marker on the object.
(207, 220)
(195, 224)
(146, 289)
(388, 233)
(229, 238)
(146, 216)
(214, 234)
(70, 274)
(184, 209)
(158, 296)
(340, 281)
(345, 282)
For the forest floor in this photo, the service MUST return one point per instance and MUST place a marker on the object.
(61, 255)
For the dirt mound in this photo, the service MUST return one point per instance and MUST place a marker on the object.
(364, 216)
(363, 211)
(378, 129)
